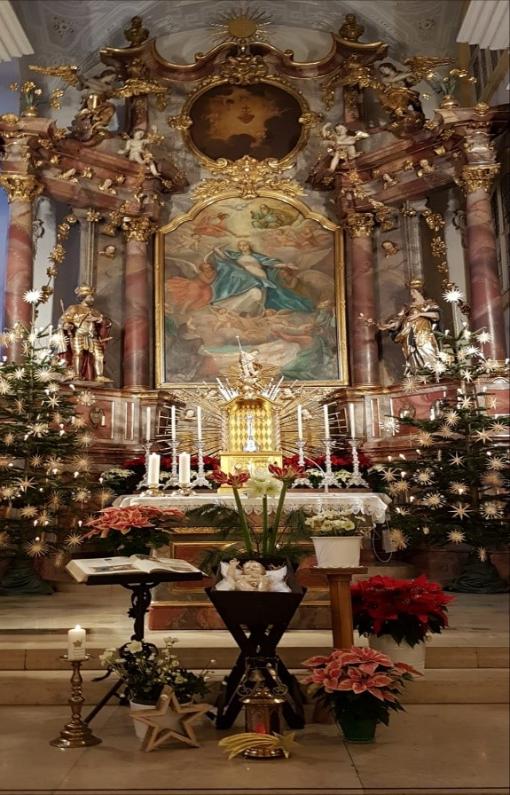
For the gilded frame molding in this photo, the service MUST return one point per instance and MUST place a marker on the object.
(340, 292)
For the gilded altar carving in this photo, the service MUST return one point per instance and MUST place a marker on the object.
(359, 224)
(246, 177)
(138, 227)
(20, 187)
(479, 177)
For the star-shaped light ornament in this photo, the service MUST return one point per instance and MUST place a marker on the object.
(446, 431)
(492, 510)
(398, 538)
(433, 500)
(456, 536)
(32, 296)
(457, 487)
(459, 510)
(453, 295)
(457, 460)
(425, 439)
(496, 464)
(498, 428)
(466, 403)
(482, 436)
(424, 476)
(484, 337)
(388, 474)
(410, 383)
(170, 720)
(451, 417)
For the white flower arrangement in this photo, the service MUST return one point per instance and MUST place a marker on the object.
(337, 523)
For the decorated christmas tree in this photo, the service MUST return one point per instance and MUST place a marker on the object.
(46, 489)
(456, 489)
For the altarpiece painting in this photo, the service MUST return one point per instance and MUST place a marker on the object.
(265, 273)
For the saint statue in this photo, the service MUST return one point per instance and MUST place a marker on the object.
(413, 328)
(83, 332)
(341, 142)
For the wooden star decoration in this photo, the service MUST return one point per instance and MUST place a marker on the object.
(161, 721)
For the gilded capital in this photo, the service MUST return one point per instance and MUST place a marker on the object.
(138, 227)
(20, 187)
(359, 224)
(479, 177)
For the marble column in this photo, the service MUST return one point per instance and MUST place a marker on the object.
(485, 288)
(363, 345)
(21, 191)
(136, 359)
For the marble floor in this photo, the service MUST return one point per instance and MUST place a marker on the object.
(429, 749)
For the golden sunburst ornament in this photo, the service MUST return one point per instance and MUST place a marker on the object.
(242, 26)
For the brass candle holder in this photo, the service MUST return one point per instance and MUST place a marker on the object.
(76, 733)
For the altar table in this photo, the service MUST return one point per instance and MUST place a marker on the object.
(364, 502)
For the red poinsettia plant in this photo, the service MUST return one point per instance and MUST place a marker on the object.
(404, 609)
(131, 530)
(359, 683)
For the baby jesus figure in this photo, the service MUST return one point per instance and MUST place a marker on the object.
(251, 576)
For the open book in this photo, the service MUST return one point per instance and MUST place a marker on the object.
(86, 568)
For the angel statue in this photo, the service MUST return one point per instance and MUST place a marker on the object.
(251, 576)
(82, 334)
(413, 328)
(136, 150)
(341, 142)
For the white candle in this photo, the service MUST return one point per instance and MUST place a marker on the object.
(199, 423)
(352, 420)
(300, 422)
(76, 646)
(173, 423)
(184, 469)
(148, 423)
(153, 472)
(326, 422)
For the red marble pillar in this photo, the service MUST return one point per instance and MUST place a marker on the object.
(485, 288)
(21, 190)
(363, 345)
(136, 302)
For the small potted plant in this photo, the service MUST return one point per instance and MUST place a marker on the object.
(397, 615)
(145, 670)
(336, 537)
(133, 530)
(360, 687)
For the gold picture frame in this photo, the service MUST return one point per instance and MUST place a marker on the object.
(301, 224)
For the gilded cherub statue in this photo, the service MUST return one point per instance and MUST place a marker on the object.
(341, 143)
(82, 334)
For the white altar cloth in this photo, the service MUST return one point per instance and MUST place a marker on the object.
(367, 503)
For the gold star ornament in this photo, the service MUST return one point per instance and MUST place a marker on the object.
(170, 720)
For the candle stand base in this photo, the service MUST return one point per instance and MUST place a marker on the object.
(76, 733)
(183, 491)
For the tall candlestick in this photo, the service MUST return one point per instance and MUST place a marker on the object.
(300, 422)
(76, 645)
(199, 423)
(352, 420)
(184, 469)
(326, 422)
(148, 423)
(173, 427)
(153, 470)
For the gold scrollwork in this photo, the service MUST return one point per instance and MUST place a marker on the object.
(243, 69)
(246, 177)
(20, 187)
(181, 122)
(359, 224)
(138, 227)
(479, 177)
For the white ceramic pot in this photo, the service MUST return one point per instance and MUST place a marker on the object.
(337, 552)
(400, 652)
(140, 728)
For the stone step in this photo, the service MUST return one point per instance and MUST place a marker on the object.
(48, 658)
(438, 686)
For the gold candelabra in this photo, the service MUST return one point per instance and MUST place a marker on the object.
(76, 733)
